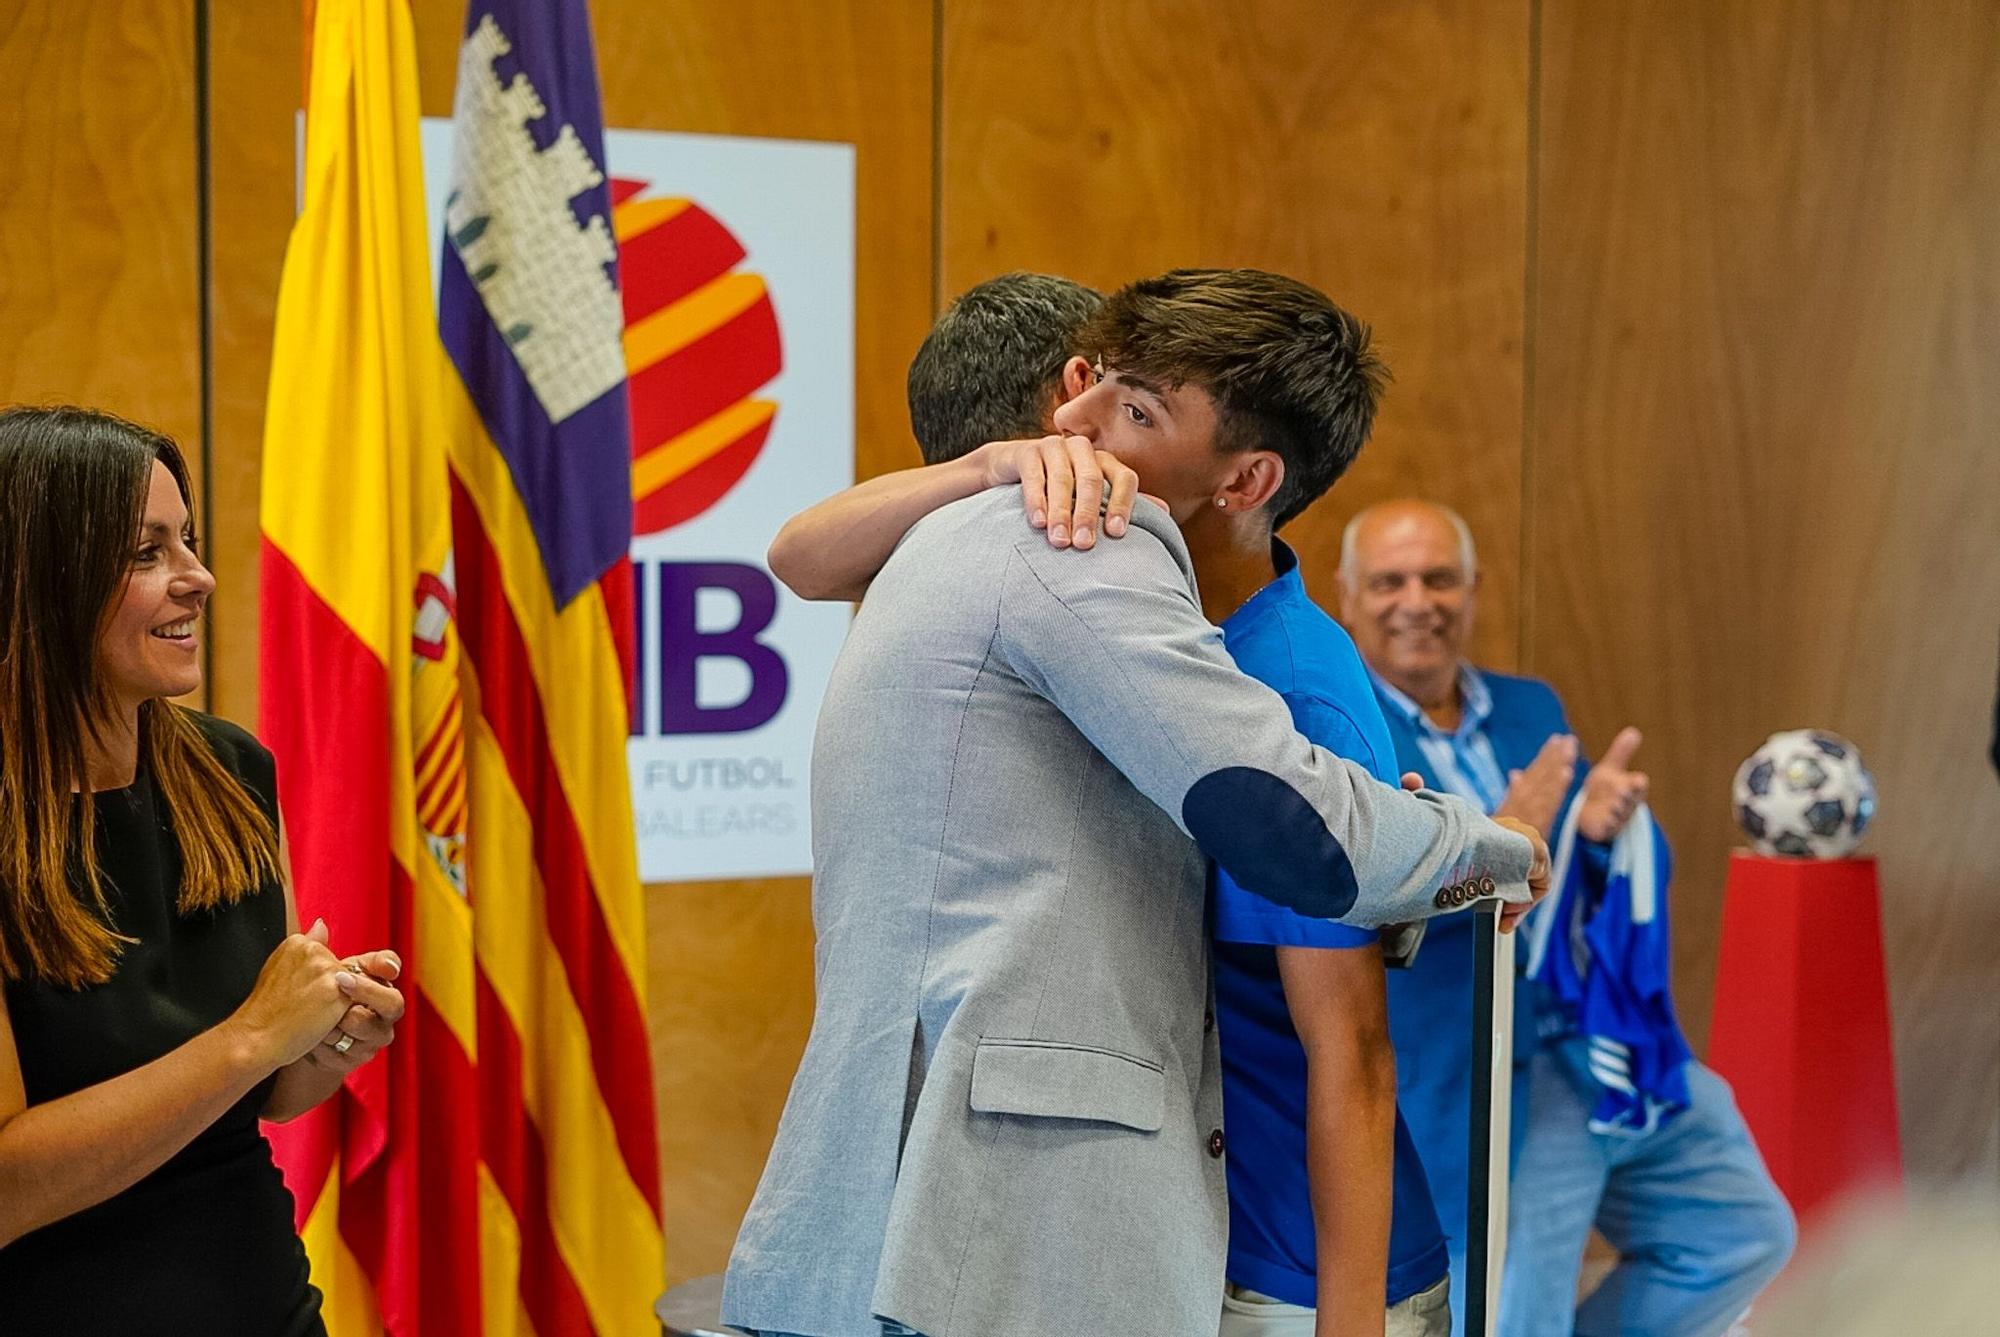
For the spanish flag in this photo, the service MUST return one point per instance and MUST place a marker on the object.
(445, 648)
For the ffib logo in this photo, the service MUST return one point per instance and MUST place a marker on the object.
(701, 340)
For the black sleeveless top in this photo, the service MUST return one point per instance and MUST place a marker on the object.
(205, 1243)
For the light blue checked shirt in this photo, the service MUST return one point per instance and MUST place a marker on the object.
(1463, 760)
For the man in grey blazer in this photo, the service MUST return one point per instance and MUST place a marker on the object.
(1007, 1119)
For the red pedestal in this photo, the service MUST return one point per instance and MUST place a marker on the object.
(1801, 1026)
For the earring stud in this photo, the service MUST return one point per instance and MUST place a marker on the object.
(1223, 502)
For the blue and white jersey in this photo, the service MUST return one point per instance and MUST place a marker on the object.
(1600, 945)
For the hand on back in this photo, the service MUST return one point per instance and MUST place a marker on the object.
(1068, 488)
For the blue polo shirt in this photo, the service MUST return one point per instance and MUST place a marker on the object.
(1281, 638)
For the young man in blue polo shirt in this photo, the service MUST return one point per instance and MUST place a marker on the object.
(1327, 1195)
(1308, 1071)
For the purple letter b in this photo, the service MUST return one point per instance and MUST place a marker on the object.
(682, 646)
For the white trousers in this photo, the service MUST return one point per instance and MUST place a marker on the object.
(1246, 1313)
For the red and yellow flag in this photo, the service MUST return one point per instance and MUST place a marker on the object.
(445, 667)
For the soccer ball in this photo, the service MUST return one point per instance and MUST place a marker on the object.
(1805, 794)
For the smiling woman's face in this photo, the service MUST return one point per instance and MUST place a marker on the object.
(150, 645)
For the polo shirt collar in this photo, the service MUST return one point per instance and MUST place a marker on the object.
(1286, 586)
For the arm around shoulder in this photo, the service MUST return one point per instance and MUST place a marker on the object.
(1119, 645)
(834, 549)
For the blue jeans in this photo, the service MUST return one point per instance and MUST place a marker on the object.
(1698, 1224)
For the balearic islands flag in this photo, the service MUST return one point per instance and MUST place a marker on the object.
(541, 465)
(446, 694)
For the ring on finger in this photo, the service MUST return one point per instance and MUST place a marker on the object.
(344, 1043)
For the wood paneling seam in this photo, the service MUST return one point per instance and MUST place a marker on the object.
(1530, 308)
(204, 241)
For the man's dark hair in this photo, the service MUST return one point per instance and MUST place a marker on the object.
(1289, 371)
(990, 368)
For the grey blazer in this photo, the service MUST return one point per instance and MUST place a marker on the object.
(1008, 1117)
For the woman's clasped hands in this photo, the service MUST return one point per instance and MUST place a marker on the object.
(336, 1013)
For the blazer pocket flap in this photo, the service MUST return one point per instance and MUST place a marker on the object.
(1049, 1080)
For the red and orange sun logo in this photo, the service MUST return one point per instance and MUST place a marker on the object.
(701, 340)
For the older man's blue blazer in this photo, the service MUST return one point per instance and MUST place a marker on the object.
(1430, 1003)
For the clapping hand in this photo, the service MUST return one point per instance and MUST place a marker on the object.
(1612, 791)
(1535, 795)
(298, 994)
(369, 1023)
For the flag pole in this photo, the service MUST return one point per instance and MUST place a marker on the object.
(1490, 1119)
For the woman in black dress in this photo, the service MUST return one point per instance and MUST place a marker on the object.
(158, 997)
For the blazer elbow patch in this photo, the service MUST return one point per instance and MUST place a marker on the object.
(1271, 840)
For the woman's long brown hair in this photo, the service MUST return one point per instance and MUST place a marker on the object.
(73, 488)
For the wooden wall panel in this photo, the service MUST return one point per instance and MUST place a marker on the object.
(98, 245)
(254, 90)
(1376, 151)
(1765, 457)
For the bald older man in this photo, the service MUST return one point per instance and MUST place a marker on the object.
(1615, 1124)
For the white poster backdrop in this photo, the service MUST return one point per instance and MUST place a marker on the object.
(714, 805)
